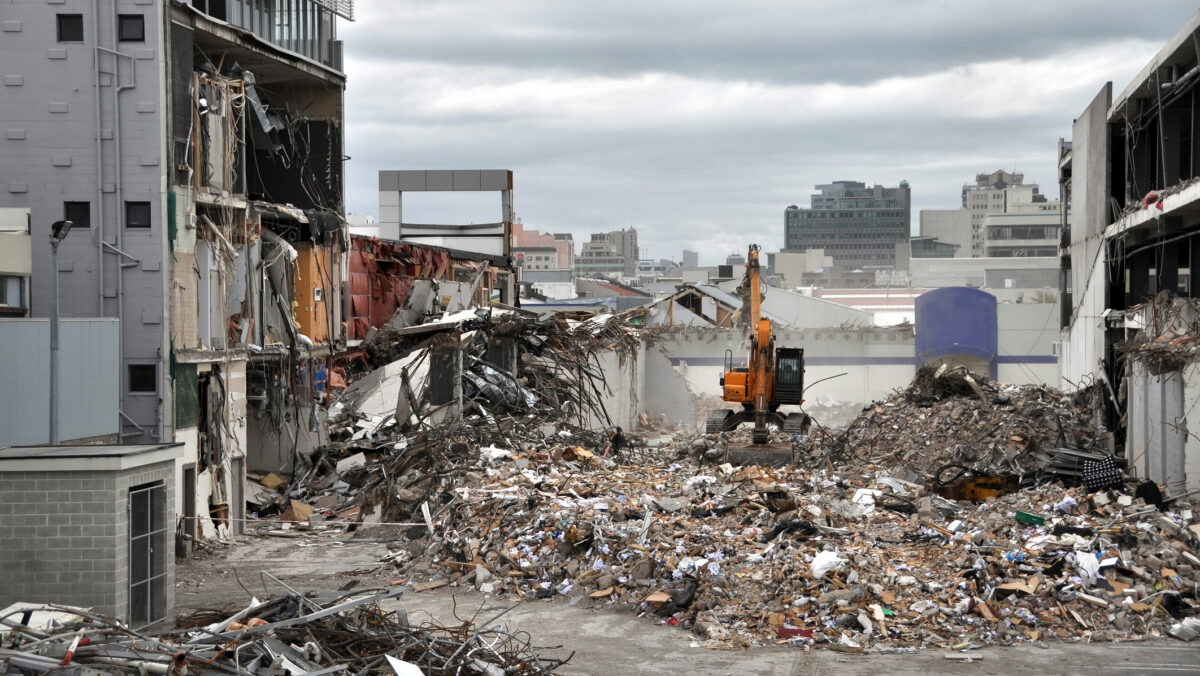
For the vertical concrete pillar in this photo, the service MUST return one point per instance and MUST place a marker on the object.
(445, 372)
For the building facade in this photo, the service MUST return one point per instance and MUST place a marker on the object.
(1021, 235)
(609, 254)
(859, 226)
(197, 148)
(951, 226)
(1000, 192)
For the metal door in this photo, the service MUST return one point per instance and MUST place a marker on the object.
(147, 553)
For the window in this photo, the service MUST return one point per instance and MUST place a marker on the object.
(143, 378)
(131, 28)
(70, 28)
(12, 291)
(137, 214)
(79, 213)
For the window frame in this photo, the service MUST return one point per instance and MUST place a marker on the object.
(130, 204)
(58, 25)
(129, 386)
(121, 24)
(75, 222)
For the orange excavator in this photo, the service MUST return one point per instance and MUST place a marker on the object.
(772, 376)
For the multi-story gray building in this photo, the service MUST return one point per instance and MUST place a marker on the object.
(858, 226)
(1000, 192)
(612, 254)
(197, 149)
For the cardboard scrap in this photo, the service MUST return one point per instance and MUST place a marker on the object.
(296, 511)
(601, 593)
(272, 481)
(658, 597)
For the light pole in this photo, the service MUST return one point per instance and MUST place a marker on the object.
(58, 233)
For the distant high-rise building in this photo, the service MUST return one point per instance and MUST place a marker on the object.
(613, 254)
(691, 259)
(858, 226)
(999, 192)
(735, 259)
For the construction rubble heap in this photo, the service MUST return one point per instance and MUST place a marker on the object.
(289, 634)
(955, 513)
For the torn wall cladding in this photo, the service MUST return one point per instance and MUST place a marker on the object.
(386, 275)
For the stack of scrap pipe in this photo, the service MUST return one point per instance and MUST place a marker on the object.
(950, 416)
(289, 634)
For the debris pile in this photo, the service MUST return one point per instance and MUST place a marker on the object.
(288, 634)
(947, 416)
(864, 548)
(1170, 334)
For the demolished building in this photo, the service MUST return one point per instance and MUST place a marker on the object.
(1131, 231)
(198, 150)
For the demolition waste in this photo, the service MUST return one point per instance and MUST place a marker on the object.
(954, 514)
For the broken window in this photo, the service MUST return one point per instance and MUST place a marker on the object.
(70, 28)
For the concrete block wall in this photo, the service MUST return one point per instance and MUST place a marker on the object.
(64, 537)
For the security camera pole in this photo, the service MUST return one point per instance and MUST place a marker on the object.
(58, 233)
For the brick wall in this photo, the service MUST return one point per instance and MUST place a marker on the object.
(64, 537)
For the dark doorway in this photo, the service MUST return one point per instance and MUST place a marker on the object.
(147, 554)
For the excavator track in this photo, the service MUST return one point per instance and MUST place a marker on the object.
(717, 421)
(796, 423)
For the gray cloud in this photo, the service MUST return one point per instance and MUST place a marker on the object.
(698, 123)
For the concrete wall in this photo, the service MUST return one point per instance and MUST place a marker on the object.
(952, 226)
(623, 374)
(1026, 336)
(88, 380)
(68, 134)
(874, 362)
(64, 536)
(941, 272)
(664, 391)
(1084, 336)
(1157, 443)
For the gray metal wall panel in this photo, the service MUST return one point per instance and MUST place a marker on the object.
(439, 180)
(88, 380)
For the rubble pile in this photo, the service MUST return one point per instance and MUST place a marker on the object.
(747, 556)
(947, 416)
(1170, 336)
(288, 634)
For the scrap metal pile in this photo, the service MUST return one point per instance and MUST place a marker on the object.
(288, 634)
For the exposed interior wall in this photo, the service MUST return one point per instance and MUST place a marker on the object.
(217, 483)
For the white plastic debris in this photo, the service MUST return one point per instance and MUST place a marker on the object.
(824, 562)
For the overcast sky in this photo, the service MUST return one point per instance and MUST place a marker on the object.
(698, 122)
